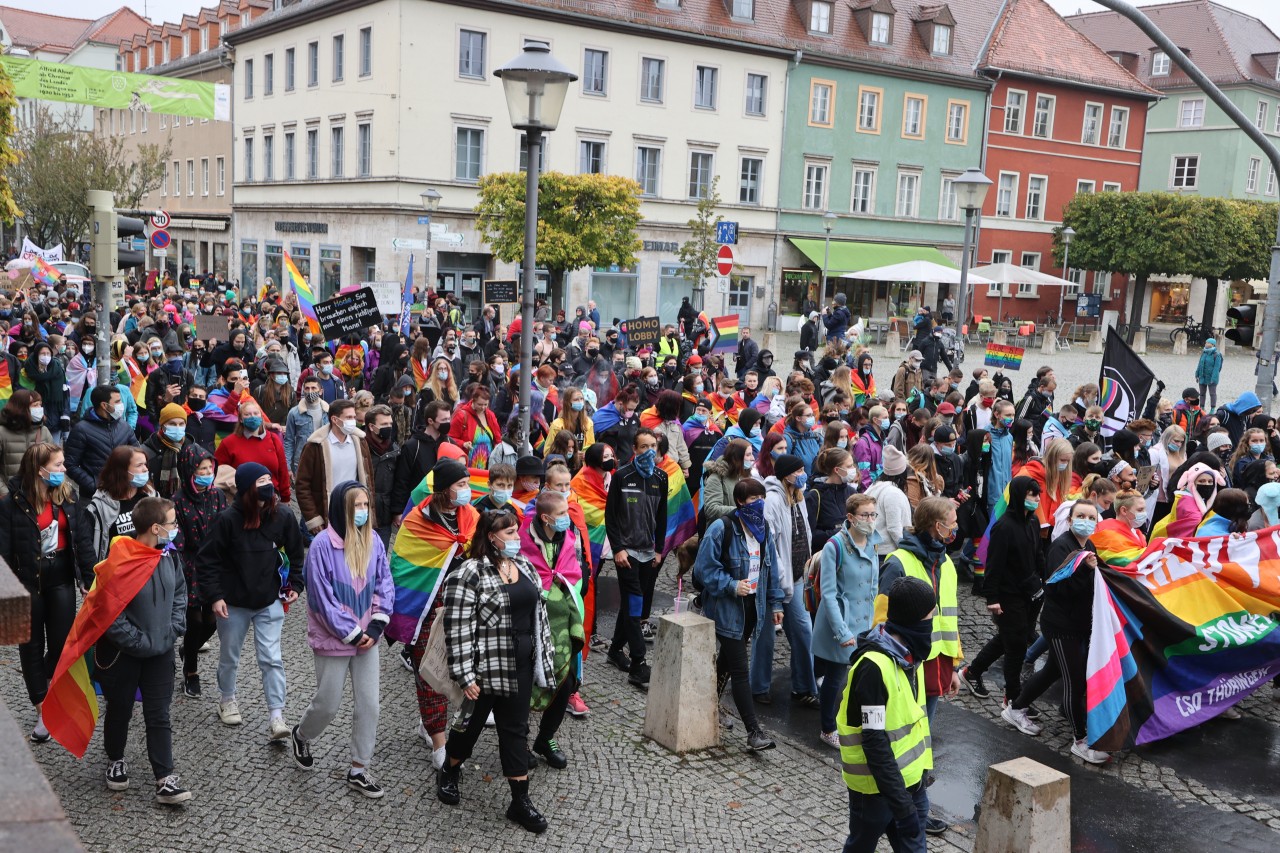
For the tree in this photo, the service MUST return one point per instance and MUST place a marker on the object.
(699, 253)
(583, 220)
(8, 156)
(60, 164)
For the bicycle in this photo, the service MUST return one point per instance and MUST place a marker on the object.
(1194, 332)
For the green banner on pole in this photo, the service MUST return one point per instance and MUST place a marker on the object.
(119, 90)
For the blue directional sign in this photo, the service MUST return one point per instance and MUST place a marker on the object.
(727, 233)
(138, 244)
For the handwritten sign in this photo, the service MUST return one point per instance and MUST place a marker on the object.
(642, 331)
(390, 295)
(348, 313)
(1004, 356)
(500, 290)
(212, 327)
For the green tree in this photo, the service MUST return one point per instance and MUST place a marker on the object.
(699, 253)
(9, 158)
(583, 220)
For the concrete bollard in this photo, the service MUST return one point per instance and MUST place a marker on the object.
(1095, 341)
(1025, 807)
(681, 712)
(893, 343)
(1049, 346)
(1140, 342)
(1000, 338)
(1179, 344)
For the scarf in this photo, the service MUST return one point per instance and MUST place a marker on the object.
(752, 515)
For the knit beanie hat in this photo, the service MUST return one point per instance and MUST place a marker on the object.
(247, 476)
(893, 460)
(172, 411)
(1218, 439)
(447, 472)
(786, 465)
(747, 419)
(530, 466)
(910, 601)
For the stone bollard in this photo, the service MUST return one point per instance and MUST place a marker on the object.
(681, 712)
(1049, 346)
(770, 342)
(1025, 807)
(1000, 338)
(1095, 341)
(893, 343)
(1179, 344)
(1140, 342)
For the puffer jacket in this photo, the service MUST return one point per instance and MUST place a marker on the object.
(20, 534)
(803, 443)
(90, 443)
(717, 490)
(13, 444)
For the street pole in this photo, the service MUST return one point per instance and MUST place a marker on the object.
(826, 261)
(1066, 273)
(1266, 369)
(533, 140)
(962, 304)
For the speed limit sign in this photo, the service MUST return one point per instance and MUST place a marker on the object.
(160, 219)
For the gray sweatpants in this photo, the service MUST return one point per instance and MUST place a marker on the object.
(331, 679)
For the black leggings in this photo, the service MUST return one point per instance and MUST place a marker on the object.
(201, 625)
(511, 715)
(1014, 630)
(553, 716)
(1072, 655)
(53, 609)
(733, 663)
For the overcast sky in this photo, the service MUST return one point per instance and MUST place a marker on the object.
(173, 10)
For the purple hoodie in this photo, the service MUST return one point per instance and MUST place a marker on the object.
(340, 607)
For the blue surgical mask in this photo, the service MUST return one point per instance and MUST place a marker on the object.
(1083, 526)
(361, 517)
(1256, 449)
(809, 421)
(511, 548)
(172, 534)
(1173, 446)
(204, 481)
(53, 479)
(326, 369)
(577, 405)
(755, 432)
(253, 423)
(697, 387)
(175, 433)
(1031, 504)
(698, 418)
(842, 443)
(885, 423)
(501, 496)
(561, 523)
(1140, 520)
(462, 497)
(280, 378)
(802, 480)
(139, 480)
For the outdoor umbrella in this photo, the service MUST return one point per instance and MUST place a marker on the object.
(1007, 274)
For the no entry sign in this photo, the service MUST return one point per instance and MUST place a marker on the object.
(724, 260)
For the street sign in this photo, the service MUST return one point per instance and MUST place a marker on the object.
(727, 232)
(138, 244)
(724, 260)
(160, 220)
(161, 253)
(160, 239)
(424, 220)
(722, 284)
(401, 243)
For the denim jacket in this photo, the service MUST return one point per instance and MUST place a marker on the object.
(722, 561)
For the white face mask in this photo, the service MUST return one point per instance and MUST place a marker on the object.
(349, 427)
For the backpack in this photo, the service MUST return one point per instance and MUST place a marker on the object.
(813, 577)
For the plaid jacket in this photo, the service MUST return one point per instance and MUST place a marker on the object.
(478, 629)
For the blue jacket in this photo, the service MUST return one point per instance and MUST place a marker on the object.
(723, 561)
(1001, 466)
(850, 580)
(804, 444)
(298, 427)
(1209, 367)
(837, 322)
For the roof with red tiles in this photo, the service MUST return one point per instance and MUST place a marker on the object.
(60, 34)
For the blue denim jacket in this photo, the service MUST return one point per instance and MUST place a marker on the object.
(722, 561)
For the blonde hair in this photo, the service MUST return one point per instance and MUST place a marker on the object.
(357, 544)
(1126, 499)
(1057, 483)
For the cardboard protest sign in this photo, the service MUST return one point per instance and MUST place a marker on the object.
(348, 314)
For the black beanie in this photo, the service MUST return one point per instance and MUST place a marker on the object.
(747, 420)
(786, 465)
(911, 600)
(530, 466)
(447, 472)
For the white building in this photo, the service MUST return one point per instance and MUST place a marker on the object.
(346, 112)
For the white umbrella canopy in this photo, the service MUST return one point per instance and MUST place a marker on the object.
(915, 271)
(1010, 274)
(19, 264)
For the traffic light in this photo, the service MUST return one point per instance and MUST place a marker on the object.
(127, 227)
(109, 256)
(1246, 317)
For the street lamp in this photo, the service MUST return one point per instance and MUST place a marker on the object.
(1066, 234)
(431, 200)
(971, 191)
(536, 85)
(828, 222)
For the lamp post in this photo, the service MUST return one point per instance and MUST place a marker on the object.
(430, 203)
(1067, 233)
(828, 222)
(535, 84)
(971, 191)
(431, 200)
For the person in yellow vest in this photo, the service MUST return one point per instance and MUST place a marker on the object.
(923, 554)
(885, 748)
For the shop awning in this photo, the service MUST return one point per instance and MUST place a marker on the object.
(855, 256)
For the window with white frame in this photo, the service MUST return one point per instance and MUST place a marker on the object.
(1191, 112)
(750, 170)
(913, 116)
(744, 9)
(1186, 172)
(366, 51)
(590, 157)
(1076, 277)
(339, 57)
(948, 205)
(222, 176)
(1083, 186)
(1030, 261)
(595, 71)
(648, 169)
(471, 54)
(999, 256)
(290, 156)
(908, 205)
(869, 110)
(957, 121)
(313, 153)
(1015, 104)
(1035, 196)
(1260, 118)
(1092, 128)
(1042, 121)
(701, 171)
(820, 92)
(1271, 180)
(1276, 127)
(1102, 282)
(863, 199)
(1251, 175)
(819, 16)
(755, 94)
(881, 28)
(1006, 193)
(268, 159)
(652, 72)
(815, 186)
(313, 63)
(1110, 187)
(289, 55)
(469, 153)
(941, 40)
(1118, 130)
(269, 74)
(248, 79)
(248, 161)
(1160, 64)
(338, 151)
(523, 158)
(364, 149)
(704, 89)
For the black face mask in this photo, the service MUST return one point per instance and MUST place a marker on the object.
(917, 637)
(1205, 491)
(608, 464)
(384, 434)
(266, 493)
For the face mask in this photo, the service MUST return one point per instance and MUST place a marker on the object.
(1173, 446)
(646, 462)
(652, 381)
(312, 396)
(769, 392)
(87, 349)
(577, 405)
(866, 371)
(988, 402)
(326, 369)
(1083, 526)
(204, 481)
(253, 423)
(777, 452)
(37, 414)
(809, 421)
(986, 447)
(53, 479)
(266, 493)
(143, 356)
(1092, 425)
(560, 523)
(501, 496)
(510, 548)
(609, 465)
(349, 427)
(1205, 491)
(1062, 466)
(157, 354)
(1140, 520)
(118, 411)
(171, 534)
(360, 517)
(280, 378)
(863, 528)
(842, 443)
(802, 479)
(884, 423)
(499, 369)
(1256, 449)
(139, 480)
(699, 418)
(44, 359)
(950, 536)
(917, 637)
(462, 497)
(697, 387)
(755, 432)
(1031, 504)
(1006, 422)
(851, 476)
(175, 433)
(443, 375)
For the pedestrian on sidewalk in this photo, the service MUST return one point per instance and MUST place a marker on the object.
(198, 504)
(349, 602)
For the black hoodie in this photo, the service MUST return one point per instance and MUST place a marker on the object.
(389, 368)
(1015, 556)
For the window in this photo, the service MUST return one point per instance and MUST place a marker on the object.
(364, 149)
(1006, 193)
(913, 117)
(339, 55)
(648, 168)
(745, 9)
(957, 122)
(704, 88)
(1251, 176)
(1035, 196)
(869, 109)
(595, 68)
(204, 43)
(313, 63)
(222, 176)
(815, 186)
(701, 164)
(749, 171)
(269, 74)
(1186, 170)
(290, 157)
(1191, 113)
(740, 294)
(819, 17)
(651, 79)
(1260, 119)
(820, 97)
(1076, 277)
(471, 47)
(941, 40)
(191, 177)
(249, 261)
(1271, 180)
(1014, 105)
(999, 256)
(1091, 131)
(591, 157)
(948, 204)
(268, 158)
(1110, 187)
(248, 159)
(1030, 261)
(248, 79)
(1101, 282)
(1276, 128)
(1042, 123)
(1160, 64)
(164, 183)
(288, 69)
(864, 190)
(470, 145)
(756, 86)
(1118, 131)
(337, 142)
(1086, 186)
(908, 194)
(366, 51)
(313, 153)
(881, 28)
(523, 158)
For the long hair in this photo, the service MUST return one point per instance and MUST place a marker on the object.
(358, 541)
(481, 547)
(574, 422)
(34, 487)
(114, 476)
(16, 414)
(764, 459)
(448, 390)
(1241, 451)
(1057, 483)
(734, 455)
(255, 511)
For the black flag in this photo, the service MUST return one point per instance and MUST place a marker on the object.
(1123, 384)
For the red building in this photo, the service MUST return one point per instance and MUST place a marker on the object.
(1064, 119)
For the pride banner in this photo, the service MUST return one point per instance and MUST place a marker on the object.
(1004, 356)
(1184, 632)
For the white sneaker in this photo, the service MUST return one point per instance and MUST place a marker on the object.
(277, 729)
(1080, 749)
(438, 758)
(490, 722)
(830, 739)
(229, 713)
(421, 732)
(1232, 713)
(1019, 720)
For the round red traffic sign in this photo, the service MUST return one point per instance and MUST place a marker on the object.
(160, 239)
(160, 219)
(724, 260)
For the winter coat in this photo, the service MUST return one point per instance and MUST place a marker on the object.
(837, 322)
(722, 561)
(298, 428)
(805, 444)
(51, 384)
(825, 502)
(242, 566)
(894, 521)
(14, 445)
(1209, 367)
(152, 621)
(266, 449)
(867, 451)
(384, 475)
(778, 516)
(906, 381)
(1015, 558)
(20, 536)
(196, 512)
(931, 349)
(164, 462)
(850, 578)
(717, 491)
(90, 443)
(340, 606)
(315, 476)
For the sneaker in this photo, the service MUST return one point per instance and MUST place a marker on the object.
(40, 734)
(598, 642)
(935, 826)
(639, 675)
(830, 739)
(361, 781)
(118, 775)
(489, 721)
(974, 683)
(648, 632)
(277, 729)
(726, 719)
(438, 757)
(808, 700)
(170, 792)
(1080, 749)
(301, 750)
(1033, 713)
(191, 686)
(619, 659)
(1019, 720)
(550, 750)
(1232, 713)
(229, 713)
(758, 740)
(762, 698)
(577, 707)
(406, 658)
(777, 630)
(208, 644)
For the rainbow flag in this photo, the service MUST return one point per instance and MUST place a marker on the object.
(420, 554)
(588, 488)
(6, 382)
(682, 520)
(136, 379)
(1185, 632)
(70, 710)
(306, 298)
(726, 333)
(44, 272)
(1004, 357)
(1116, 544)
(479, 488)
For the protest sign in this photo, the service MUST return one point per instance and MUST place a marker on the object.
(212, 327)
(497, 291)
(389, 294)
(348, 314)
(1004, 357)
(642, 331)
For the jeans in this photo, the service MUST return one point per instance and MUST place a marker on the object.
(870, 819)
(631, 586)
(731, 665)
(799, 631)
(835, 676)
(331, 679)
(124, 676)
(1039, 647)
(267, 624)
(1212, 399)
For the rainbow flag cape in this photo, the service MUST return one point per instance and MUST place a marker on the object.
(131, 374)
(6, 382)
(420, 554)
(1116, 547)
(1187, 631)
(420, 374)
(682, 520)
(479, 488)
(306, 298)
(588, 488)
(71, 709)
(44, 272)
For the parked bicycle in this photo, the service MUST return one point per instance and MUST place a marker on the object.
(1195, 333)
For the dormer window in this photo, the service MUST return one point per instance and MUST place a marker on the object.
(941, 40)
(743, 9)
(819, 17)
(935, 25)
(881, 28)
(1160, 64)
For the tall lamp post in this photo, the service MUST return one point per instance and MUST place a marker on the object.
(430, 203)
(828, 222)
(535, 84)
(1067, 233)
(971, 191)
